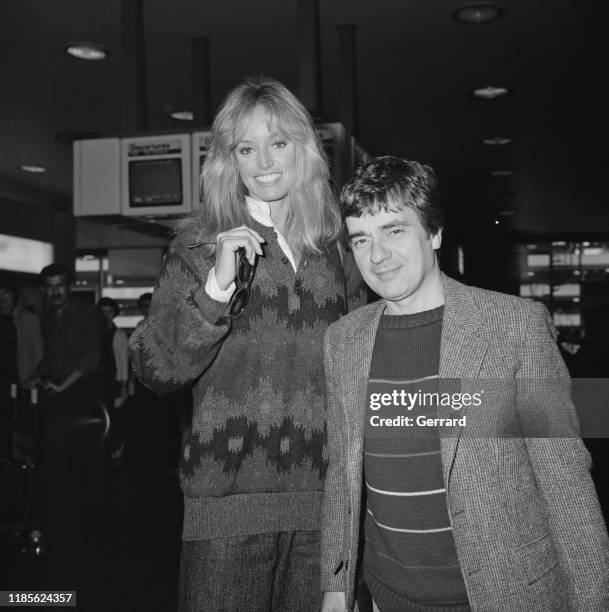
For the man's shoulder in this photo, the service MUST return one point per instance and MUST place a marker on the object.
(80, 310)
(353, 322)
(24, 314)
(495, 302)
(78, 304)
(499, 314)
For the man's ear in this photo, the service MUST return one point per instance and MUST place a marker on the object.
(436, 240)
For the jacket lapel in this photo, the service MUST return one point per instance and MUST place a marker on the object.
(461, 354)
(357, 360)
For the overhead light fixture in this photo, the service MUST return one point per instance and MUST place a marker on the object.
(89, 51)
(477, 12)
(496, 141)
(507, 213)
(34, 168)
(182, 115)
(502, 172)
(490, 92)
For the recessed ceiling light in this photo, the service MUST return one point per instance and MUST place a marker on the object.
(33, 168)
(87, 51)
(183, 115)
(497, 141)
(502, 172)
(490, 92)
(477, 12)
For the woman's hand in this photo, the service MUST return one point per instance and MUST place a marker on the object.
(122, 398)
(227, 244)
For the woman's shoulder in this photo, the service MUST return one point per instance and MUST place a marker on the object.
(188, 255)
(190, 234)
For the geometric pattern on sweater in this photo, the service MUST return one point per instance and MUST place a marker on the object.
(263, 405)
(285, 447)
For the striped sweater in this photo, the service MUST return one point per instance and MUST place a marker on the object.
(409, 553)
(256, 457)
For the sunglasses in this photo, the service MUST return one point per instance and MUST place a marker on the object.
(245, 275)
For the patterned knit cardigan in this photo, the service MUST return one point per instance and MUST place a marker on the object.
(256, 457)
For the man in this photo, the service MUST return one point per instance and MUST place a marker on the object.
(71, 419)
(20, 352)
(71, 331)
(20, 339)
(503, 519)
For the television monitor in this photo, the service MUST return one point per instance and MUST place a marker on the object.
(156, 174)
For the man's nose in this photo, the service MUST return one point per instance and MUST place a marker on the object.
(379, 252)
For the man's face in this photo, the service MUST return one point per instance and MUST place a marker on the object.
(107, 313)
(7, 301)
(396, 258)
(56, 290)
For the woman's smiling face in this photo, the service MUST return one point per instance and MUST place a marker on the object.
(266, 159)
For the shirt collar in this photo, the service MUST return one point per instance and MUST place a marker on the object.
(260, 211)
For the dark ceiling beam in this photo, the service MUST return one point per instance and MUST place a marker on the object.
(347, 78)
(201, 89)
(309, 57)
(133, 67)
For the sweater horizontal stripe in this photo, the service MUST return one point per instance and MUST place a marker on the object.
(214, 517)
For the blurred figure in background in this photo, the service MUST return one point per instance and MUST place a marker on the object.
(20, 353)
(143, 303)
(115, 350)
(245, 294)
(71, 420)
(146, 417)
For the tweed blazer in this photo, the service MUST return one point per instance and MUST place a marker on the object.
(528, 528)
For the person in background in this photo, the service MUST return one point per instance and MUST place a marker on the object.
(143, 303)
(483, 502)
(115, 350)
(20, 337)
(20, 353)
(71, 419)
(245, 294)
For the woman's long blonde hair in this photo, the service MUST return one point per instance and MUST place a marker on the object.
(313, 219)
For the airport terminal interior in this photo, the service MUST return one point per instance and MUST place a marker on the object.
(105, 123)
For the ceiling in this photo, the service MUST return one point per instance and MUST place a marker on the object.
(415, 67)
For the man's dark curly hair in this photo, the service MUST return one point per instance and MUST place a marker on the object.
(390, 183)
(57, 269)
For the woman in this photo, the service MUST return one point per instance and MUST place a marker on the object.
(253, 466)
(116, 374)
